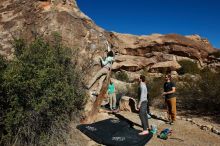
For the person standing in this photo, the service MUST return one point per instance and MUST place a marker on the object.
(142, 106)
(111, 95)
(170, 99)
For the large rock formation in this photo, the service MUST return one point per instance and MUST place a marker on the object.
(32, 18)
(164, 47)
(134, 54)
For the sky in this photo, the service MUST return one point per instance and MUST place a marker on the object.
(145, 17)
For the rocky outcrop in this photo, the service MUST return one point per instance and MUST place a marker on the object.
(132, 63)
(165, 47)
(172, 65)
(32, 18)
(170, 44)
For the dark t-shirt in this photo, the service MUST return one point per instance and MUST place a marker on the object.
(168, 87)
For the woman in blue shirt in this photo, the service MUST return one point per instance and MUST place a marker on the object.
(111, 95)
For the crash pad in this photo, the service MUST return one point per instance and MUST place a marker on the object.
(114, 132)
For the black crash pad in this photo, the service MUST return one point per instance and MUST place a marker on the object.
(114, 132)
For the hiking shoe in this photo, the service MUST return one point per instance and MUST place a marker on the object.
(85, 86)
(168, 122)
(153, 129)
(172, 123)
(95, 94)
(145, 132)
(114, 108)
(148, 116)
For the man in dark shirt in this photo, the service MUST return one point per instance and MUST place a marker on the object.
(170, 99)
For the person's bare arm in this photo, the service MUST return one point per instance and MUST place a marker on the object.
(169, 92)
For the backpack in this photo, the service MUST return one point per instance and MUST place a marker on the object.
(165, 133)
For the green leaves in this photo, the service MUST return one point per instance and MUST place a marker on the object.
(188, 67)
(42, 86)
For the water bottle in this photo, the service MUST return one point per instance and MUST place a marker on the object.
(166, 131)
(153, 129)
(164, 134)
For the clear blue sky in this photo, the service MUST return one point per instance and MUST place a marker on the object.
(145, 17)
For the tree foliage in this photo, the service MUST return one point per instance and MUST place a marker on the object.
(201, 93)
(42, 87)
(188, 67)
(122, 76)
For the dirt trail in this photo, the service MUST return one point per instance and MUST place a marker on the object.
(184, 132)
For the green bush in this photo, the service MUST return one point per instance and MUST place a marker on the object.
(202, 93)
(132, 91)
(155, 89)
(209, 86)
(42, 87)
(3, 100)
(122, 76)
(188, 67)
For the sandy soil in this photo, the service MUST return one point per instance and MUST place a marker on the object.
(184, 132)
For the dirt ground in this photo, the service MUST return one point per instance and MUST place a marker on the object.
(184, 132)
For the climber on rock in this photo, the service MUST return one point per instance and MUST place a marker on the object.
(107, 64)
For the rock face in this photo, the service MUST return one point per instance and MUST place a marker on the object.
(32, 18)
(168, 44)
(134, 54)
(164, 47)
